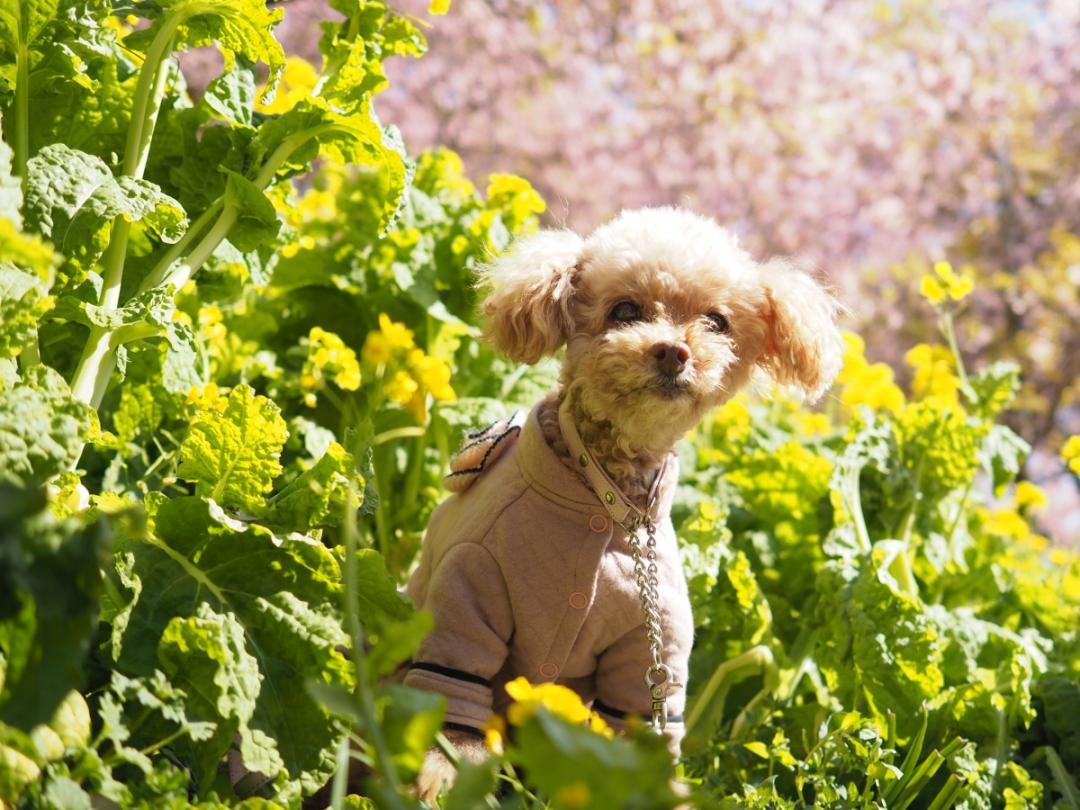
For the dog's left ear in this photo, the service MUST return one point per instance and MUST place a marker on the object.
(528, 290)
(803, 346)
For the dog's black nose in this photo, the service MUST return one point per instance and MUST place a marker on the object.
(671, 357)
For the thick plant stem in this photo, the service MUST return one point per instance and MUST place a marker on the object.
(22, 111)
(97, 361)
(364, 694)
(755, 660)
(179, 275)
(949, 330)
(148, 93)
(161, 270)
(1064, 782)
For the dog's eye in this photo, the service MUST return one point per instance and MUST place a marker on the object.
(718, 323)
(625, 312)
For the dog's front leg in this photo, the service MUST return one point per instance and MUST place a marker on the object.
(438, 772)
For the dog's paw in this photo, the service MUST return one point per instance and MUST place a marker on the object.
(482, 448)
(437, 773)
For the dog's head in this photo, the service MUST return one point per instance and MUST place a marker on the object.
(663, 316)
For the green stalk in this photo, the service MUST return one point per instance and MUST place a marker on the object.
(1061, 776)
(949, 330)
(853, 503)
(96, 364)
(755, 660)
(22, 110)
(286, 148)
(179, 276)
(923, 774)
(948, 795)
(364, 692)
(915, 747)
(341, 774)
(148, 93)
(182, 273)
(156, 276)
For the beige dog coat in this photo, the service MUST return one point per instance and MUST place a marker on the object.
(525, 574)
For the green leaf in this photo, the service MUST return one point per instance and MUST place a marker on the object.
(257, 223)
(50, 587)
(236, 27)
(23, 302)
(241, 619)
(208, 653)
(475, 780)
(152, 309)
(72, 199)
(377, 591)
(316, 497)
(22, 21)
(232, 456)
(355, 48)
(135, 712)
(394, 641)
(232, 94)
(876, 640)
(1002, 453)
(566, 760)
(42, 429)
(1061, 713)
(993, 389)
(410, 720)
(312, 129)
(138, 413)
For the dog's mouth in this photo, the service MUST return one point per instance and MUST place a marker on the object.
(669, 387)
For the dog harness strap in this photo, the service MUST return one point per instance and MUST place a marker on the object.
(659, 678)
(606, 490)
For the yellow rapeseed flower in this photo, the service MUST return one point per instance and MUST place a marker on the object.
(1028, 496)
(328, 356)
(210, 322)
(554, 697)
(934, 373)
(207, 398)
(494, 731)
(515, 196)
(1070, 454)
(376, 349)
(433, 374)
(943, 282)
(396, 334)
(864, 383)
(812, 424)
(401, 387)
(1007, 523)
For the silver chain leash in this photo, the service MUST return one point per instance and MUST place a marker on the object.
(659, 679)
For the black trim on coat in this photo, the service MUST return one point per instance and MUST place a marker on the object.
(619, 714)
(450, 672)
(475, 732)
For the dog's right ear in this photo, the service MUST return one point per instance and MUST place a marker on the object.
(526, 304)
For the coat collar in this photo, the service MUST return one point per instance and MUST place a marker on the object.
(547, 474)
